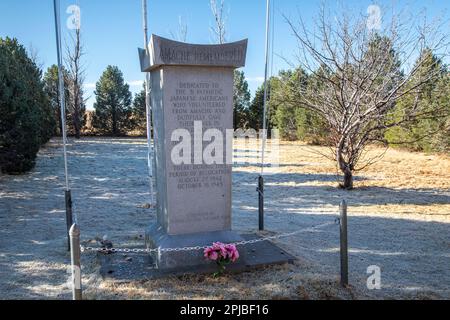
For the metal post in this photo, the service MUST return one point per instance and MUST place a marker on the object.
(264, 131)
(69, 217)
(75, 261)
(266, 86)
(148, 108)
(344, 243)
(261, 202)
(62, 102)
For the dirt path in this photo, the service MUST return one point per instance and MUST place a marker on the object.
(402, 229)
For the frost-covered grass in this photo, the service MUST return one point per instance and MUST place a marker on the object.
(399, 219)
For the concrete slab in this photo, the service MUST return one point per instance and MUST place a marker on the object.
(134, 267)
(156, 237)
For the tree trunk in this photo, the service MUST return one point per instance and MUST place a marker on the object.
(76, 114)
(114, 122)
(77, 125)
(345, 168)
(59, 123)
(348, 180)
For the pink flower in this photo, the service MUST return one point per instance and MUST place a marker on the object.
(233, 253)
(220, 247)
(207, 252)
(211, 254)
(220, 252)
(214, 256)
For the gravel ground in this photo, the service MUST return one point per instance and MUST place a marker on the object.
(403, 230)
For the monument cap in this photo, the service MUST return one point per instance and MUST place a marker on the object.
(162, 51)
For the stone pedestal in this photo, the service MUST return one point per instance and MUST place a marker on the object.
(192, 105)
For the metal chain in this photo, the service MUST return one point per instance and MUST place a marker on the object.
(198, 248)
(115, 250)
(285, 235)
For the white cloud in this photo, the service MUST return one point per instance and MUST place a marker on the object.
(89, 85)
(255, 79)
(135, 83)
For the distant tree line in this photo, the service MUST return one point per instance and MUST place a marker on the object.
(30, 109)
(297, 122)
(356, 86)
(418, 122)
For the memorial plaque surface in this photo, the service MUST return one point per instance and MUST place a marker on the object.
(192, 103)
(198, 100)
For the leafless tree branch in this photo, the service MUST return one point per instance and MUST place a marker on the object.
(364, 74)
(218, 31)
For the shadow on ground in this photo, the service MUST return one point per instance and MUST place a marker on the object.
(109, 185)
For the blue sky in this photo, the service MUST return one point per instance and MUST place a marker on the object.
(112, 29)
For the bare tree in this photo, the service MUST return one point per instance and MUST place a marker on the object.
(182, 32)
(33, 52)
(363, 73)
(218, 31)
(76, 103)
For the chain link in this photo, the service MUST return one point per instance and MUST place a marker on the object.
(198, 248)
(116, 250)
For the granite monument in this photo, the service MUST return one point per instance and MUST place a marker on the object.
(192, 110)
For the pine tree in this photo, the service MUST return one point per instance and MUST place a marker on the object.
(441, 141)
(256, 109)
(113, 103)
(51, 88)
(26, 118)
(241, 98)
(285, 115)
(425, 132)
(139, 111)
(255, 112)
(311, 126)
(285, 107)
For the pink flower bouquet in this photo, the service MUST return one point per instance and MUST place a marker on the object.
(222, 254)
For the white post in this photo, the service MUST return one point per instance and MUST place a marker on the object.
(265, 87)
(148, 108)
(260, 188)
(62, 102)
(62, 97)
(75, 257)
(343, 243)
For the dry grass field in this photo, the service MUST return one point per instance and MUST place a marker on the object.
(399, 220)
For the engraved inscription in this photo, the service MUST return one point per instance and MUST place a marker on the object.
(205, 102)
(200, 56)
(198, 112)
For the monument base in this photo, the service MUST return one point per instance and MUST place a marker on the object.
(123, 268)
(156, 237)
